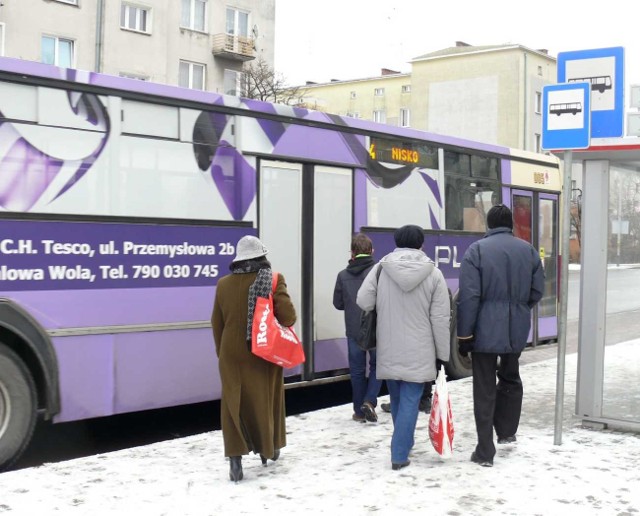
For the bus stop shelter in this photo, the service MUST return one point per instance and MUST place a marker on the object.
(610, 215)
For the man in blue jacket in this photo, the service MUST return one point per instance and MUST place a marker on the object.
(501, 280)
(364, 390)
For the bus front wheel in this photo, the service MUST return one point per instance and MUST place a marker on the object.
(18, 407)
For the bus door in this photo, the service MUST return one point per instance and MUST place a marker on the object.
(535, 219)
(305, 220)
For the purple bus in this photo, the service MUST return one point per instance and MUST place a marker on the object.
(121, 203)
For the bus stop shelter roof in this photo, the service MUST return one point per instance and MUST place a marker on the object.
(625, 150)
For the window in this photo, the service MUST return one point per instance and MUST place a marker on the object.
(134, 18)
(522, 217)
(192, 75)
(471, 188)
(237, 23)
(353, 94)
(378, 92)
(406, 88)
(134, 76)
(194, 14)
(547, 231)
(150, 119)
(233, 83)
(484, 167)
(537, 143)
(1, 39)
(379, 116)
(57, 51)
(404, 117)
(538, 102)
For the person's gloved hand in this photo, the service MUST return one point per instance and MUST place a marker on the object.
(440, 363)
(465, 345)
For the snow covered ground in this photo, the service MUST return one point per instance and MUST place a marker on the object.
(333, 465)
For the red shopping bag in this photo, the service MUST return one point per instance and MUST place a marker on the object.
(441, 419)
(269, 339)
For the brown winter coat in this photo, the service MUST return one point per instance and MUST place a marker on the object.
(252, 409)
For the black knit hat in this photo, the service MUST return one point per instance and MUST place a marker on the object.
(409, 236)
(499, 216)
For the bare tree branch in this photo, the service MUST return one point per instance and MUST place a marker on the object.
(264, 83)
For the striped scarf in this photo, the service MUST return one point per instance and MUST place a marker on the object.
(260, 287)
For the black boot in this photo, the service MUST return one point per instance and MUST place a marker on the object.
(276, 456)
(235, 468)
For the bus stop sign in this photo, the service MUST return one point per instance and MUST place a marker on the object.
(566, 110)
(603, 69)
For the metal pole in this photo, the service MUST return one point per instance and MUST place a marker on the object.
(564, 294)
(619, 219)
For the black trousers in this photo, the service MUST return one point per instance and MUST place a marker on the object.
(494, 406)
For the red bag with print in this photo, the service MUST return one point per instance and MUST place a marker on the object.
(269, 339)
(441, 419)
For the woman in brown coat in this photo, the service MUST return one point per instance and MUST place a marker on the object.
(252, 407)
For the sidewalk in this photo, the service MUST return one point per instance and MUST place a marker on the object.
(334, 465)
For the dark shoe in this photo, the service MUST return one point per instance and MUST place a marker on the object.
(369, 412)
(507, 440)
(386, 407)
(276, 456)
(425, 405)
(235, 468)
(399, 465)
(482, 462)
(359, 419)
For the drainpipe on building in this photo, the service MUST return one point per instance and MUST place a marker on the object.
(99, 34)
(524, 129)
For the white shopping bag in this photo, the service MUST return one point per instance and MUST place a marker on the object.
(441, 419)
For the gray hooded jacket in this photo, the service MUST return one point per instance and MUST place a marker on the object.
(413, 306)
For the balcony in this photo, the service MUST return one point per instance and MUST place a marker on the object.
(237, 48)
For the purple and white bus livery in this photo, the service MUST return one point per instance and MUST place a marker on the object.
(121, 202)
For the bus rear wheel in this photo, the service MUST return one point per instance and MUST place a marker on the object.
(18, 407)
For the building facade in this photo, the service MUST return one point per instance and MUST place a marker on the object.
(491, 94)
(200, 44)
(383, 99)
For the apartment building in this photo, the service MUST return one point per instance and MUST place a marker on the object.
(487, 93)
(385, 99)
(201, 44)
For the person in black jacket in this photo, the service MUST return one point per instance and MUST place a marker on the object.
(501, 280)
(364, 390)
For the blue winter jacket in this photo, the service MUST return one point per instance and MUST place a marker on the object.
(501, 280)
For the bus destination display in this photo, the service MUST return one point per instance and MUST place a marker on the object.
(403, 153)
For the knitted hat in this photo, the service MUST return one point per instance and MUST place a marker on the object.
(249, 247)
(409, 236)
(499, 216)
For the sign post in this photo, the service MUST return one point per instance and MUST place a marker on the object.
(566, 125)
(601, 72)
(564, 294)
